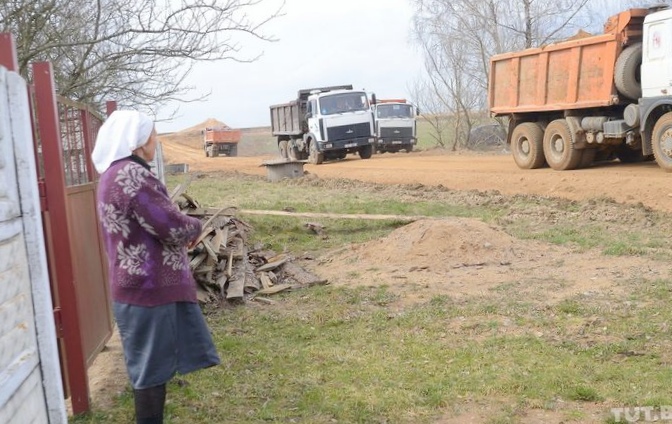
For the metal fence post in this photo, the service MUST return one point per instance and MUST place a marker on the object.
(62, 264)
(8, 56)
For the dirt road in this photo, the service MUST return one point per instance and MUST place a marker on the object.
(627, 183)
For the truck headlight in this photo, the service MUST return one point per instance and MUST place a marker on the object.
(328, 146)
(372, 140)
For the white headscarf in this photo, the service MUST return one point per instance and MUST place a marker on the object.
(122, 133)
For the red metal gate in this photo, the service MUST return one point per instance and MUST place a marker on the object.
(64, 134)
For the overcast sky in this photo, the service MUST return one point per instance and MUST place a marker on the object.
(366, 43)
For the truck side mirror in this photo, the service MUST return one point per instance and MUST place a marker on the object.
(417, 111)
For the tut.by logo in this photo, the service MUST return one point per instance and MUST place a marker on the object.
(642, 414)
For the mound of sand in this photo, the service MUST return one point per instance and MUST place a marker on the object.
(208, 123)
(440, 243)
(192, 136)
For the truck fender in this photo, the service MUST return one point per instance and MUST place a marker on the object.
(649, 115)
(512, 125)
(578, 134)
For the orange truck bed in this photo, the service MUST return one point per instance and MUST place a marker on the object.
(222, 135)
(572, 74)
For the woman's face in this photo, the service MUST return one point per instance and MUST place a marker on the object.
(148, 151)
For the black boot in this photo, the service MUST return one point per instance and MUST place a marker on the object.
(149, 404)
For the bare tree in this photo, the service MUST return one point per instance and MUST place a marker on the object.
(134, 51)
(433, 111)
(459, 37)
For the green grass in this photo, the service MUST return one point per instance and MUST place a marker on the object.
(337, 354)
(354, 355)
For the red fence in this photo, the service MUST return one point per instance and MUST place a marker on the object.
(64, 134)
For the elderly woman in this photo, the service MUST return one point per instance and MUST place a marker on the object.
(146, 237)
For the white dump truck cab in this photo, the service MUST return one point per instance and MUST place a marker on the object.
(339, 122)
(324, 123)
(653, 108)
(656, 71)
(395, 125)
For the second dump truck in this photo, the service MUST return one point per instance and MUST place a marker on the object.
(324, 123)
(395, 125)
(590, 98)
(220, 141)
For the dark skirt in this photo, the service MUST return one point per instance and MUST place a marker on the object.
(163, 340)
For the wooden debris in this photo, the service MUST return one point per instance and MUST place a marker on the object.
(266, 281)
(263, 300)
(180, 189)
(272, 265)
(275, 289)
(226, 268)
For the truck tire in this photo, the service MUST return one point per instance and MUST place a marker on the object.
(409, 148)
(282, 148)
(366, 152)
(661, 141)
(627, 76)
(559, 148)
(315, 157)
(527, 146)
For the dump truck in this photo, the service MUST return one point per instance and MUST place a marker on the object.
(324, 123)
(596, 97)
(220, 141)
(395, 125)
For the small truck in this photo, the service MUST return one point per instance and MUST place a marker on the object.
(590, 98)
(324, 123)
(395, 125)
(220, 141)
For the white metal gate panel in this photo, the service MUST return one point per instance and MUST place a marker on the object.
(30, 381)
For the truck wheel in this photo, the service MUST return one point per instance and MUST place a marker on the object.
(409, 148)
(366, 152)
(559, 149)
(315, 157)
(627, 76)
(282, 147)
(527, 146)
(661, 140)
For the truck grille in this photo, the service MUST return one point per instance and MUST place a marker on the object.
(346, 132)
(398, 133)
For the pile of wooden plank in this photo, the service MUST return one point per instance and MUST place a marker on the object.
(227, 268)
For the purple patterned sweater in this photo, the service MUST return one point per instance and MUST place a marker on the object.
(145, 236)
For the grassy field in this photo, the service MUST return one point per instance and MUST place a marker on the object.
(344, 355)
